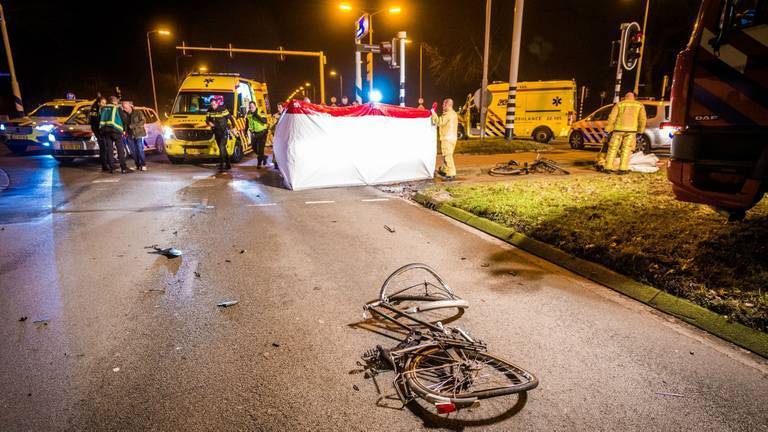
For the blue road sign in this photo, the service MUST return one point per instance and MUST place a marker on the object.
(362, 26)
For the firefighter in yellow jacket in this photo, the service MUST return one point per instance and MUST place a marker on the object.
(448, 126)
(627, 119)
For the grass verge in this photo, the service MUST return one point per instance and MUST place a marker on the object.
(632, 225)
(499, 145)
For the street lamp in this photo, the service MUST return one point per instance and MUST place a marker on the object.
(151, 68)
(203, 69)
(341, 83)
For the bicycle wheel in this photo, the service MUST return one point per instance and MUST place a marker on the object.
(417, 289)
(462, 376)
(508, 169)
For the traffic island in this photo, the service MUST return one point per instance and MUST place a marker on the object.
(499, 146)
(629, 234)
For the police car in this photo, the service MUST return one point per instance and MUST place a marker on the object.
(34, 132)
(74, 139)
(658, 130)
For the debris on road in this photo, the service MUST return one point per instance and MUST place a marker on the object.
(485, 265)
(154, 290)
(117, 369)
(669, 394)
(388, 228)
(22, 319)
(228, 260)
(242, 251)
(169, 253)
(227, 303)
(275, 344)
(354, 386)
(41, 322)
(197, 274)
(512, 273)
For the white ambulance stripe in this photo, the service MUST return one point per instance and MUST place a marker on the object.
(728, 53)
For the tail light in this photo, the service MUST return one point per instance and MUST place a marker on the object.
(681, 83)
(445, 407)
(668, 128)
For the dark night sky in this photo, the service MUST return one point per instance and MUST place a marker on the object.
(81, 46)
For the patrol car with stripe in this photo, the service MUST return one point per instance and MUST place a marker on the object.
(658, 134)
(187, 137)
(34, 132)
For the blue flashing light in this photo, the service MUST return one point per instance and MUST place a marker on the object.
(375, 96)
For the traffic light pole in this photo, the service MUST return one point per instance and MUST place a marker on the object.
(402, 36)
(319, 54)
(19, 106)
(642, 47)
(514, 63)
(484, 87)
(617, 88)
(358, 73)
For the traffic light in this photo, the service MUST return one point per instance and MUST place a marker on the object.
(631, 44)
(389, 52)
(634, 46)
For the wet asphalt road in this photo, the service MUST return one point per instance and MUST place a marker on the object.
(134, 341)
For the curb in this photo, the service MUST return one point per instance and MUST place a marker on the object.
(5, 181)
(693, 314)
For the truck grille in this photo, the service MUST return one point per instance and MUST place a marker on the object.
(193, 134)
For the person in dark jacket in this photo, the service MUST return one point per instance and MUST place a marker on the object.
(219, 119)
(133, 121)
(257, 124)
(94, 118)
(111, 128)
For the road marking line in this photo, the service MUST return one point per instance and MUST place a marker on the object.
(210, 207)
(319, 202)
(106, 181)
(262, 205)
(201, 177)
(375, 200)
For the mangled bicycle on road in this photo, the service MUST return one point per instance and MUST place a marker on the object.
(442, 365)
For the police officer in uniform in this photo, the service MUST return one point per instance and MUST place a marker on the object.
(112, 129)
(256, 122)
(94, 119)
(627, 119)
(218, 119)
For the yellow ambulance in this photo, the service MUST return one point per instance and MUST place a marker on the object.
(188, 138)
(544, 110)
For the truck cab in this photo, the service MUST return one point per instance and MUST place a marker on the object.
(186, 135)
(719, 105)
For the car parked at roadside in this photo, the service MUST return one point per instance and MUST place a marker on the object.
(657, 135)
(33, 132)
(74, 139)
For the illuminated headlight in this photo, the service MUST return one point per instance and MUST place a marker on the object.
(2, 127)
(168, 132)
(94, 139)
(45, 127)
(51, 139)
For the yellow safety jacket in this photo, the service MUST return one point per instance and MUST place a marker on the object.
(627, 116)
(110, 117)
(447, 124)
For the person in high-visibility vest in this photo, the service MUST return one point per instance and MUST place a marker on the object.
(256, 123)
(627, 119)
(448, 126)
(112, 129)
(218, 119)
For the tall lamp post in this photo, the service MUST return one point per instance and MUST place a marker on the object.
(333, 73)
(11, 69)
(151, 68)
(642, 46)
(393, 10)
